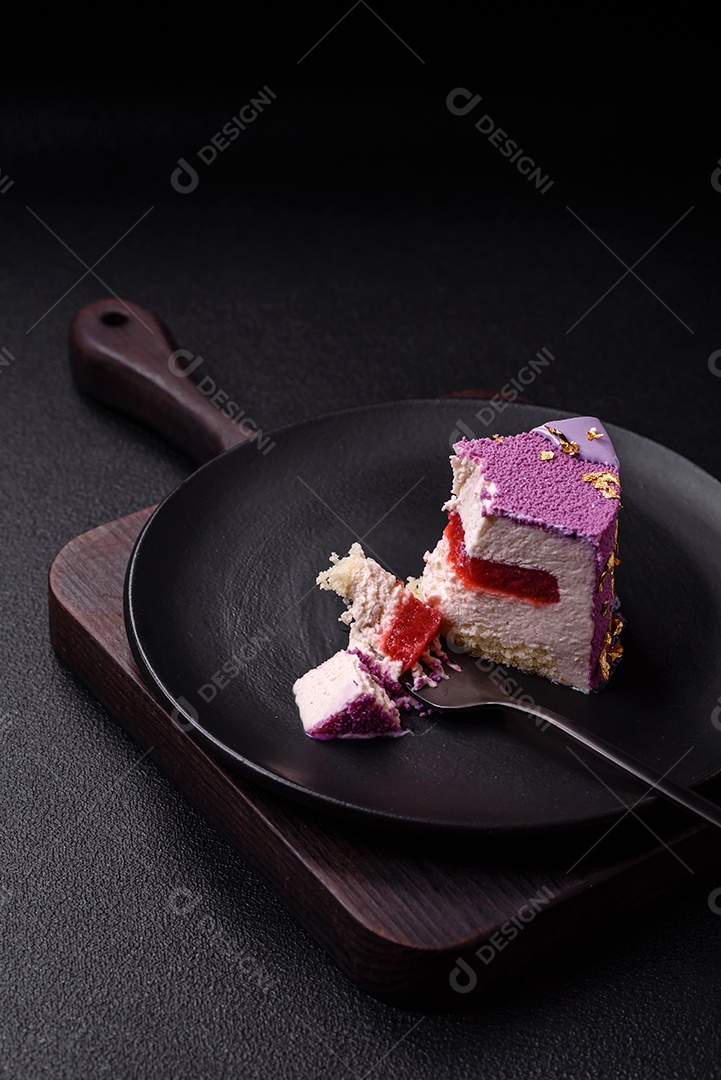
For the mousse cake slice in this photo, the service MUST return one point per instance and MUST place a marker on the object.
(524, 572)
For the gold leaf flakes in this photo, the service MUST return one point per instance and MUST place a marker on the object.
(601, 477)
(612, 649)
(604, 664)
(606, 482)
(608, 569)
(615, 652)
(546, 455)
(567, 446)
(604, 608)
(592, 434)
(498, 438)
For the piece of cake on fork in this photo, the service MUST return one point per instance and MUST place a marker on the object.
(383, 615)
(524, 572)
(356, 693)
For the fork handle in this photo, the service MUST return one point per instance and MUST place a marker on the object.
(675, 793)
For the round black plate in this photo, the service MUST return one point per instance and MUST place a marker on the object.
(223, 615)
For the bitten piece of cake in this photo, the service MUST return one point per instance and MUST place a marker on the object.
(347, 698)
(383, 615)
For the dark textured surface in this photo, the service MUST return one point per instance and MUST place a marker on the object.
(350, 250)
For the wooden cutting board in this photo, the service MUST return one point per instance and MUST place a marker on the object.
(395, 912)
(422, 922)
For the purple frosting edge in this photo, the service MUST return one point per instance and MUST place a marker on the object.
(362, 718)
(597, 451)
(548, 494)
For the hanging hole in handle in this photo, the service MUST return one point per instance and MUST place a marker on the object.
(114, 318)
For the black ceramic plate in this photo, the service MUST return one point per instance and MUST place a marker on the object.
(222, 616)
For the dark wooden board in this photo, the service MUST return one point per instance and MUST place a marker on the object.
(396, 913)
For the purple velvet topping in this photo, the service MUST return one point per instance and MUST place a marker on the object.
(550, 494)
(396, 692)
(361, 718)
(598, 451)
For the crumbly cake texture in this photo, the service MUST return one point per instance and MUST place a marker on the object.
(385, 618)
(524, 572)
(350, 696)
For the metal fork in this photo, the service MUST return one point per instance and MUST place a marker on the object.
(471, 688)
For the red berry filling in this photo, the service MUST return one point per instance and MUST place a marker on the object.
(534, 586)
(411, 629)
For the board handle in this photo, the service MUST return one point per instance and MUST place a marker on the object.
(124, 356)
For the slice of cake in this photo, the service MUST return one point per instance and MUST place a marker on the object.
(383, 615)
(349, 697)
(524, 572)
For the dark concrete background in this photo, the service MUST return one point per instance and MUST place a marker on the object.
(357, 243)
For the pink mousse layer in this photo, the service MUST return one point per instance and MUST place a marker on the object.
(550, 494)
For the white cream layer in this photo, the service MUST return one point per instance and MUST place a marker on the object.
(371, 593)
(334, 685)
